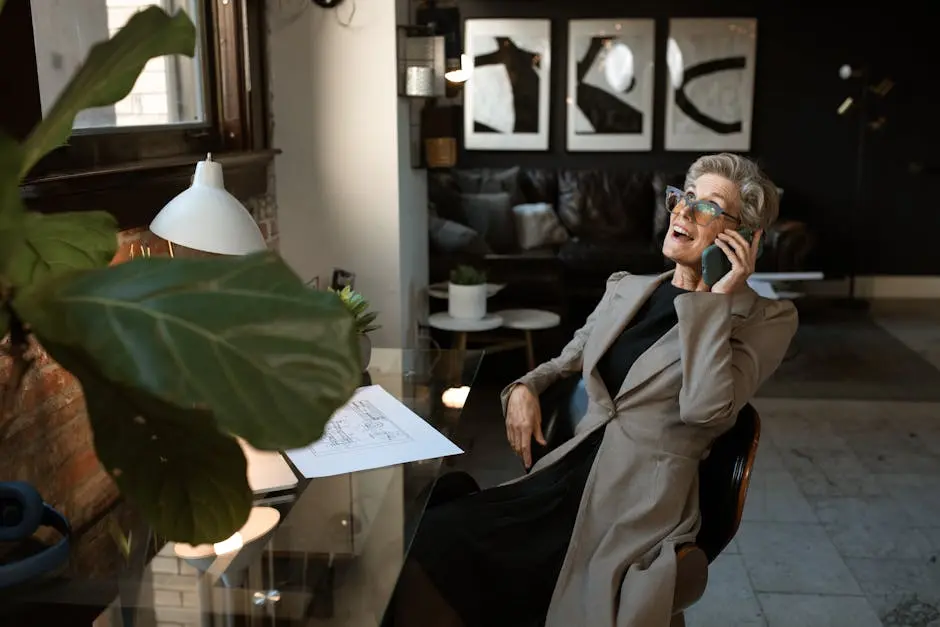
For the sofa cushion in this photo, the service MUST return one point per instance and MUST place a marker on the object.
(449, 237)
(539, 185)
(444, 195)
(491, 216)
(489, 181)
(601, 205)
(538, 226)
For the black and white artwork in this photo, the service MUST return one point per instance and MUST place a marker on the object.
(610, 85)
(710, 87)
(506, 98)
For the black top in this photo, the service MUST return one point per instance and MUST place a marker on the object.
(654, 319)
(495, 555)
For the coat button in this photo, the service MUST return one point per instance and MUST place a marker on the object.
(612, 413)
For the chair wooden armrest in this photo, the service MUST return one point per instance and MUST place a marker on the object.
(691, 577)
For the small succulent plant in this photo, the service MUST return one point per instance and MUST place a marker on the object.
(358, 306)
(467, 275)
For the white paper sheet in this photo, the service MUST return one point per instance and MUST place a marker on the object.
(373, 430)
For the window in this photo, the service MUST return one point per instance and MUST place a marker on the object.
(142, 148)
(178, 107)
(169, 91)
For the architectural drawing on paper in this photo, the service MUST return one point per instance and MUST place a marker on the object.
(359, 425)
(372, 430)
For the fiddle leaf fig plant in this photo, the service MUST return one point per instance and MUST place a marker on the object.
(176, 357)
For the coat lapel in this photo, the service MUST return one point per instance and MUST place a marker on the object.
(666, 351)
(629, 296)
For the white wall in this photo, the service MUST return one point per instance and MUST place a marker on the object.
(347, 196)
(413, 211)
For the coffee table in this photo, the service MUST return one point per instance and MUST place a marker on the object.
(766, 283)
(460, 327)
(333, 557)
(529, 320)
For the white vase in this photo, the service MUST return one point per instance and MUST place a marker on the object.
(466, 301)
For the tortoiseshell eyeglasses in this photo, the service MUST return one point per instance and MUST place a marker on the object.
(703, 211)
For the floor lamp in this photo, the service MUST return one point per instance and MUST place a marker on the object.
(865, 124)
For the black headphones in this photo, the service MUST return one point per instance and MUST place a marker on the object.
(22, 512)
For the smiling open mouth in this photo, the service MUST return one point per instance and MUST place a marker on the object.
(681, 234)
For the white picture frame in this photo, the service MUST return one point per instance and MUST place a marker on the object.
(710, 84)
(497, 114)
(611, 70)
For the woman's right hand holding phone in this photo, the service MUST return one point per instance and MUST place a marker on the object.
(523, 422)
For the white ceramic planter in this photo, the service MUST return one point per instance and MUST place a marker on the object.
(466, 301)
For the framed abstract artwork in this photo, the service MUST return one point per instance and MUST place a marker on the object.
(506, 99)
(610, 85)
(710, 84)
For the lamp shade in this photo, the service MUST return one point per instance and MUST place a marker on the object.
(207, 218)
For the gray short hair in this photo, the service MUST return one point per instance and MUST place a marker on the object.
(760, 200)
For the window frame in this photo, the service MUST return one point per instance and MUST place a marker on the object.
(112, 165)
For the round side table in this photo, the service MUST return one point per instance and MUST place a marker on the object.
(529, 320)
(460, 327)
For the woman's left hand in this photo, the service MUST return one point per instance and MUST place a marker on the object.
(743, 257)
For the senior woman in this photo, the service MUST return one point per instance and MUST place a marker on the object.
(588, 537)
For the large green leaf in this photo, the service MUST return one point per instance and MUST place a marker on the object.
(109, 74)
(44, 246)
(187, 478)
(241, 337)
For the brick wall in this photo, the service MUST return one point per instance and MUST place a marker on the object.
(47, 440)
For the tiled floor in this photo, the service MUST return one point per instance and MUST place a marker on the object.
(842, 523)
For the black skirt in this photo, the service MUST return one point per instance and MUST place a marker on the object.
(495, 555)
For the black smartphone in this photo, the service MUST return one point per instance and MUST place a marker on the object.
(715, 263)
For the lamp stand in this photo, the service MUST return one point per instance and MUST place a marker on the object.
(860, 201)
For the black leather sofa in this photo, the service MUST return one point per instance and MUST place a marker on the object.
(614, 220)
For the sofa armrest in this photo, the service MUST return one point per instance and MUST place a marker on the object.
(787, 245)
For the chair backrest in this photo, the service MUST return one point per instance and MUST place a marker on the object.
(723, 476)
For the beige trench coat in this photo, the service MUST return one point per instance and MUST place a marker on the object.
(641, 497)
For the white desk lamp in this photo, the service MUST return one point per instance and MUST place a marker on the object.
(207, 218)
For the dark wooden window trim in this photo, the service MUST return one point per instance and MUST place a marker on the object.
(133, 172)
(135, 193)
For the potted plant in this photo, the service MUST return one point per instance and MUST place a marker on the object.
(467, 293)
(176, 357)
(358, 306)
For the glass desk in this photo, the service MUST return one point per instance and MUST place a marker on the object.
(333, 558)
